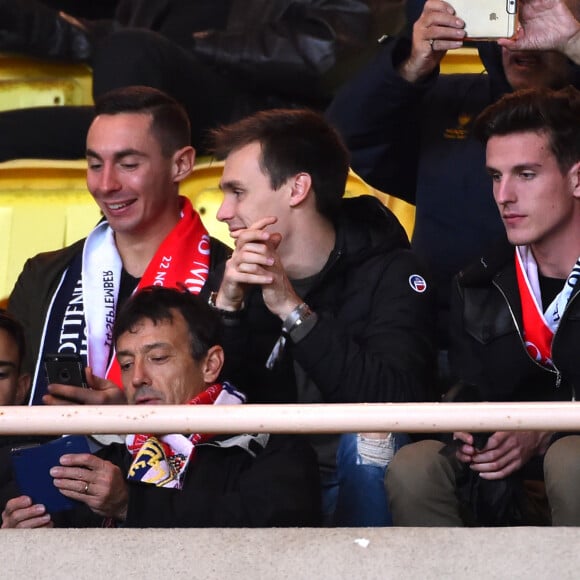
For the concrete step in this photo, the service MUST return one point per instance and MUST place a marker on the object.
(359, 553)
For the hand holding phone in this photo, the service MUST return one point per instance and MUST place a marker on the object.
(487, 19)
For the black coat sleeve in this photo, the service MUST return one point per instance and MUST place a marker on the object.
(30, 27)
(378, 114)
(288, 45)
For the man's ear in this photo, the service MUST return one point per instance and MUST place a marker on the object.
(301, 185)
(183, 161)
(214, 361)
(574, 175)
(22, 388)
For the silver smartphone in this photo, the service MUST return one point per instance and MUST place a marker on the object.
(487, 19)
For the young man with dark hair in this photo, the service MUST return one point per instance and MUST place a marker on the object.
(290, 144)
(322, 294)
(514, 332)
(168, 347)
(138, 152)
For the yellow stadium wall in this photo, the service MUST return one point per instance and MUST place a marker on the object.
(45, 205)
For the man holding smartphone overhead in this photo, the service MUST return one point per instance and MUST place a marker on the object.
(409, 130)
(138, 152)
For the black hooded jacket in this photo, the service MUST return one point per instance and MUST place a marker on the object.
(373, 341)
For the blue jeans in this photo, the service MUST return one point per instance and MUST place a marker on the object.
(355, 495)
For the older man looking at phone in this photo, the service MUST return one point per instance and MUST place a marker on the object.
(168, 349)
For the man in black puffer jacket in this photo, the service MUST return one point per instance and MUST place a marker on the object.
(322, 297)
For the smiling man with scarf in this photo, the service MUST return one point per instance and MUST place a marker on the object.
(169, 350)
(515, 332)
(138, 152)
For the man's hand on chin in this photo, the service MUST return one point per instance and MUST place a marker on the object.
(248, 264)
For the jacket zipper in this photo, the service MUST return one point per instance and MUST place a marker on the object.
(555, 370)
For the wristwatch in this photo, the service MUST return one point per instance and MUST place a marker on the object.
(227, 315)
(299, 322)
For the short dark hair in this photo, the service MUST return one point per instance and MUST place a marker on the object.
(169, 121)
(292, 141)
(158, 304)
(15, 330)
(540, 110)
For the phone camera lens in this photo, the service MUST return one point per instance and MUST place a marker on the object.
(64, 376)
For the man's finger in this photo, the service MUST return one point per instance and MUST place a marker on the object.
(68, 392)
(464, 437)
(107, 394)
(263, 223)
(85, 460)
(256, 230)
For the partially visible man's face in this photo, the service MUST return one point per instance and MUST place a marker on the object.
(248, 193)
(13, 386)
(527, 69)
(539, 68)
(157, 367)
(128, 175)
(535, 199)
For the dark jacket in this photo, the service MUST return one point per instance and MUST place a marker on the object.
(32, 294)
(414, 141)
(373, 338)
(232, 482)
(487, 349)
(285, 45)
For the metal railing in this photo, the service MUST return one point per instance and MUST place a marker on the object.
(311, 418)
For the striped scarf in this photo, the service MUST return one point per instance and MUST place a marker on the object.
(163, 461)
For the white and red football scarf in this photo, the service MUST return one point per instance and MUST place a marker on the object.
(163, 461)
(540, 325)
(86, 299)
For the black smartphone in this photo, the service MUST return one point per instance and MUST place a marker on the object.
(65, 369)
(32, 464)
